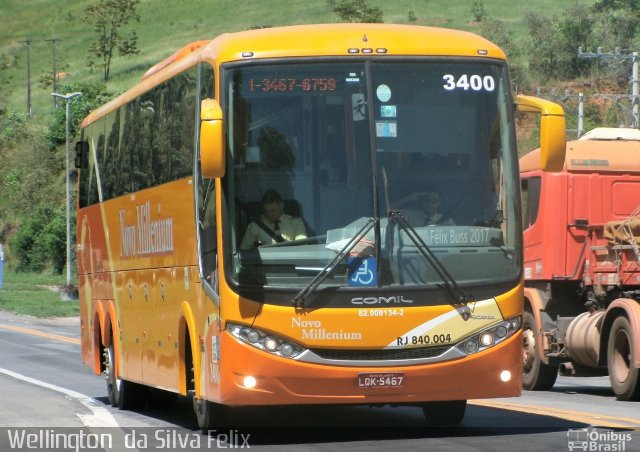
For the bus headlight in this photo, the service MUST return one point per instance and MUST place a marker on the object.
(486, 339)
(490, 336)
(264, 341)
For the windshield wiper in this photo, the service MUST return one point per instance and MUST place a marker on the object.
(301, 297)
(458, 297)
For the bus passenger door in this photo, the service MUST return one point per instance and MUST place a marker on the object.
(207, 236)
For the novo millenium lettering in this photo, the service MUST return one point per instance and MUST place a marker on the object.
(148, 236)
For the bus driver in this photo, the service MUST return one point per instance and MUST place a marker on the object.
(427, 203)
(274, 226)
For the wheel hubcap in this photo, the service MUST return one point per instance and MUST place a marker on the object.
(621, 357)
(528, 351)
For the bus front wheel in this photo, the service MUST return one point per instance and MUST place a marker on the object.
(210, 416)
(444, 413)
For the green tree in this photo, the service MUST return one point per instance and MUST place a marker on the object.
(554, 42)
(108, 18)
(357, 11)
(478, 11)
(607, 5)
(617, 23)
(495, 31)
(93, 95)
(40, 240)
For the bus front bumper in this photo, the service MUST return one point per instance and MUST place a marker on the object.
(248, 376)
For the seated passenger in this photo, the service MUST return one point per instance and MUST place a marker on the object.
(423, 209)
(274, 226)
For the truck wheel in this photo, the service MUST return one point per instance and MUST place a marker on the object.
(625, 379)
(536, 375)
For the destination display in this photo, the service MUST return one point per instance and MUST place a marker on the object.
(291, 84)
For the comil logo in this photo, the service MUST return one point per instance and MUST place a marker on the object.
(591, 439)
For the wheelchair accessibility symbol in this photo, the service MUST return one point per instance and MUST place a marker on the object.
(362, 271)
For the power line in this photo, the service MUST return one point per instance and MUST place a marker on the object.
(617, 57)
(28, 42)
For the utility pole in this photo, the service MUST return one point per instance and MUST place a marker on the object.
(634, 90)
(54, 72)
(67, 98)
(28, 43)
(580, 114)
(618, 57)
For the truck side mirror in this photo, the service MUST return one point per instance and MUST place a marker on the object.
(552, 130)
(212, 155)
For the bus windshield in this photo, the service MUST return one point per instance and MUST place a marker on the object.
(325, 156)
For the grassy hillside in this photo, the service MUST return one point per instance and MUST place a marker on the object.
(167, 25)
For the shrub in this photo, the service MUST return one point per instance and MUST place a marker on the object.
(357, 11)
(40, 241)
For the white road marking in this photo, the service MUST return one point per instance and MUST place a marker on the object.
(100, 417)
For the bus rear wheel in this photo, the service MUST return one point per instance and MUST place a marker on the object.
(444, 413)
(113, 383)
(536, 375)
(625, 379)
(123, 394)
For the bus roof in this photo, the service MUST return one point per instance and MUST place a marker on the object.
(333, 40)
(616, 150)
(351, 39)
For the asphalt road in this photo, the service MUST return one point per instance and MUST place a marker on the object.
(49, 399)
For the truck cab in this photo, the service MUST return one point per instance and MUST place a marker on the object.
(581, 262)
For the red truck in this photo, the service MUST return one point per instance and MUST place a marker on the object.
(582, 263)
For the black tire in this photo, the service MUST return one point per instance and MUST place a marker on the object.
(121, 393)
(110, 375)
(536, 375)
(445, 413)
(132, 395)
(210, 416)
(624, 378)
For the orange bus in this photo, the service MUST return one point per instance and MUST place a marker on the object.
(353, 135)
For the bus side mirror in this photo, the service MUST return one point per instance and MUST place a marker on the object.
(552, 130)
(212, 155)
(82, 154)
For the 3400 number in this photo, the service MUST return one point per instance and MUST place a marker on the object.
(466, 82)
